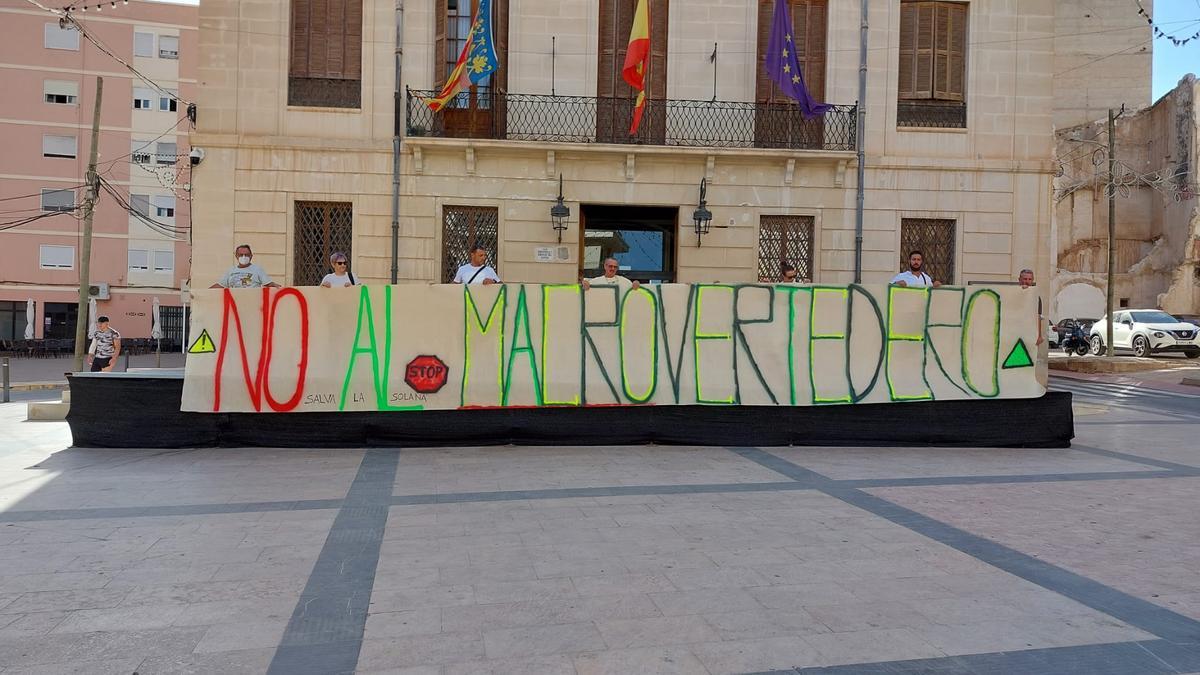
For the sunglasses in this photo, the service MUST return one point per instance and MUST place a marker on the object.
(339, 262)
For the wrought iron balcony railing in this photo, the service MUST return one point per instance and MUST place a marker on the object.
(589, 119)
(934, 115)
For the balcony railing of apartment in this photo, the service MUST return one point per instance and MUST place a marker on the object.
(933, 115)
(589, 119)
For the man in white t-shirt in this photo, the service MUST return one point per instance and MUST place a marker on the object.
(245, 274)
(915, 275)
(340, 277)
(611, 278)
(477, 271)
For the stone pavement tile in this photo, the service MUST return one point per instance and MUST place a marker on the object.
(145, 617)
(891, 566)
(706, 601)
(181, 574)
(622, 583)
(648, 661)
(213, 591)
(57, 581)
(228, 637)
(473, 574)
(798, 595)
(864, 616)
(419, 650)
(45, 601)
(656, 631)
(86, 667)
(403, 599)
(524, 591)
(666, 562)
(752, 557)
(866, 646)
(393, 624)
(728, 577)
(235, 611)
(807, 573)
(973, 609)
(527, 641)
(546, 612)
(34, 624)
(411, 670)
(751, 656)
(557, 567)
(883, 589)
(242, 662)
(540, 665)
(105, 646)
(392, 576)
(766, 623)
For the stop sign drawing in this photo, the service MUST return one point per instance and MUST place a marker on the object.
(426, 374)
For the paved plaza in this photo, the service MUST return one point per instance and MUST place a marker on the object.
(609, 559)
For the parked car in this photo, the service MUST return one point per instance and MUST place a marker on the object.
(1146, 332)
(1051, 334)
(1064, 326)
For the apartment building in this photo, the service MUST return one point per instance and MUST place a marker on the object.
(140, 249)
(298, 101)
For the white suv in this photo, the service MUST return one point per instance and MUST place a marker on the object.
(1146, 332)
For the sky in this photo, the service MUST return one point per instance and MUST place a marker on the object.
(1170, 62)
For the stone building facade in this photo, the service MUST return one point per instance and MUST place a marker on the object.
(959, 153)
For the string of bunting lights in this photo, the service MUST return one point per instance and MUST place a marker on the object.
(99, 7)
(1160, 33)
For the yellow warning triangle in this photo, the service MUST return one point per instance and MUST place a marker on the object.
(203, 344)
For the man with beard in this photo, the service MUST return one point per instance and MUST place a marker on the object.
(915, 275)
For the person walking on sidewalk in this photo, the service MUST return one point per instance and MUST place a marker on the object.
(106, 347)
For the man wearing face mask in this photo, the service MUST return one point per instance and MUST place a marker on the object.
(245, 274)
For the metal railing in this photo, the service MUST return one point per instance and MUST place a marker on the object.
(590, 119)
(933, 115)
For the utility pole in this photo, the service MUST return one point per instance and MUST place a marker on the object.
(1112, 232)
(85, 248)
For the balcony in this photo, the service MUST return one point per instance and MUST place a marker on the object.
(589, 119)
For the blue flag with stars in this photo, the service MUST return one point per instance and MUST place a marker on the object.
(783, 67)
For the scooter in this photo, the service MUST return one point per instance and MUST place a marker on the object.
(1076, 342)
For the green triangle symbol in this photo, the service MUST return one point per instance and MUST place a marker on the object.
(203, 344)
(1018, 357)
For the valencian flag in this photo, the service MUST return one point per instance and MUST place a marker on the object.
(782, 65)
(637, 60)
(475, 63)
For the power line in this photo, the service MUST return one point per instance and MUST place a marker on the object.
(29, 219)
(39, 194)
(1121, 51)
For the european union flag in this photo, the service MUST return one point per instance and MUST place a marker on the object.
(783, 67)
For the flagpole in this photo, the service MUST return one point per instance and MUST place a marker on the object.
(860, 141)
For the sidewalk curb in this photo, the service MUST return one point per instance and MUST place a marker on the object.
(38, 386)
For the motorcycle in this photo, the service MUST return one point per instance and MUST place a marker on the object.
(1076, 342)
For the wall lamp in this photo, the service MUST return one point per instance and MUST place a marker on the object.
(559, 212)
(702, 216)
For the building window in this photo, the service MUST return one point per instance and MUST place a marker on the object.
(57, 200)
(164, 261)
(142, 98)
(143, 44)
(478, 111)
(59, 146)
(140, 153)
(60, 92)
(169, 103)
(163, 205)
(464, 227)
(785, 240)
(140, 204)
(56, 257)
(61, 38)
(139, 260)
(322, 228)
(934, 238)
(614, 109)
(168, 47)
(325, 63)
(12, 320)
(165, 154)
(776, 121)
(933, 65)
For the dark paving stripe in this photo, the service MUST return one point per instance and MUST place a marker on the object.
(1122, 606)
(167, 510)
(326, 629)
(1150, 657)
(1137, 459)
(614, 491)
(924, 481)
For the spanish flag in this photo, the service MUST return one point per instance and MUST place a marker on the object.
(637, 60)
(476, 61)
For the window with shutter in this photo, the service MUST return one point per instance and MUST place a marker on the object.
(139, 259)
(777, 124)
(58, 146)
(463, 228)
(478, 112)
(932, 64)
(614, 111)
(934, 238)
(325, 61)
(321, 229)
(143, 44)
(168, 47)
(785, 240)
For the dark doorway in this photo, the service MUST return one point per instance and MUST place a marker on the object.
(60, 320)
(641, 238)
